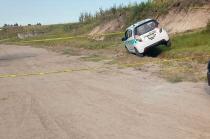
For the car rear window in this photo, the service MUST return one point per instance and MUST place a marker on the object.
(142, 29)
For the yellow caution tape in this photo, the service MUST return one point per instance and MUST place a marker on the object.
(54, 39)
(46, 73)
(68, 70)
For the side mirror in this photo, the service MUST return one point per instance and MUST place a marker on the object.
(124, 39)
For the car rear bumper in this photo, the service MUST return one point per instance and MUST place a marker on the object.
(161, 42)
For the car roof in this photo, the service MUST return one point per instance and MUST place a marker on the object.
(139, 23)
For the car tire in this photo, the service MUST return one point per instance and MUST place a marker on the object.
(138, 54)
(168, 43)
(128, 52)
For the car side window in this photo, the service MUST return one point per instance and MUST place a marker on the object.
(128, 34)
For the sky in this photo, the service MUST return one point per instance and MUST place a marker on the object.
(51, 11)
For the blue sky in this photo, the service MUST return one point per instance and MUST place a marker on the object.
(50, 11)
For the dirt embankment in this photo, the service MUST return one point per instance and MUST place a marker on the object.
(175, 21)
(111, 26)
(182, 21)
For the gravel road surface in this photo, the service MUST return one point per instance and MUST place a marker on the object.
(105, 104)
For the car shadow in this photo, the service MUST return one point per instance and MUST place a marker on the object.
(153, 52)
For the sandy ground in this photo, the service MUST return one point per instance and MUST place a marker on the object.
(107, 104)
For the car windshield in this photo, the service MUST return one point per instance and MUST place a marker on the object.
(142, 29)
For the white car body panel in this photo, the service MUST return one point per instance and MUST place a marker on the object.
(148, 39)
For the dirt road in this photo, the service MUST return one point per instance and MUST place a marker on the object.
(106, 104)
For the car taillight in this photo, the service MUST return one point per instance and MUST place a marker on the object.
(160, 28)
(138, 38)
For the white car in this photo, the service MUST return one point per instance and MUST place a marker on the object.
(143, 35)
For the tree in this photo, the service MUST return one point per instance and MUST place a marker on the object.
(114, 10)
(81, 18)
(101, 11)
(16, 25)
(87, 17)
(5, 25)
(38, 24)
(97, 15)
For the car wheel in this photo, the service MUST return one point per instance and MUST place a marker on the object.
(168, 44)
(128, 52)
(138, 54)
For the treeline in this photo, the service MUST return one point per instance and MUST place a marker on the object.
(11, 25)
(17, 25)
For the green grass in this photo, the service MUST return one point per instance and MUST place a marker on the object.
(195, 45)
(189, 55)
(48, 31)
(87, 43)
